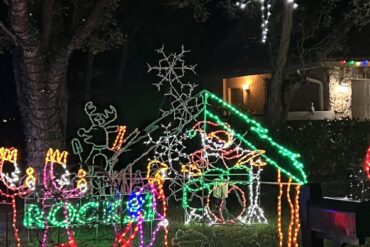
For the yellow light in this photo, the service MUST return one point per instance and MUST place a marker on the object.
(292, 214)
(30, 181)
(279, 226)
(159, 172)
(192, 170)
(81, 183)
(250, 156)
(246, 87)
(297, 222)
(8, 154)
(119, 139)
(55, 156)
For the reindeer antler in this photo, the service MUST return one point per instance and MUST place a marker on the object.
(90, 110)
(110, 115)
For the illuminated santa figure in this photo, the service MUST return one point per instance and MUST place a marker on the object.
(9, 176)
(56, 181)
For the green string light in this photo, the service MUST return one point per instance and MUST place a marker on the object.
(90, 207)
(33, 217)
(262, 133)
(57, 209)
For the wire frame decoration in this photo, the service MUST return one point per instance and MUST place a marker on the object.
(12, 186)
(209, 160)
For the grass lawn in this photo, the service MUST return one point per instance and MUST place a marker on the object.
(192, 235)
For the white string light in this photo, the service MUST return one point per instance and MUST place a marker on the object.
(265, 13)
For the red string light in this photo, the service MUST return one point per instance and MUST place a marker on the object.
(367, 163)
(119, 139)
(10, 155)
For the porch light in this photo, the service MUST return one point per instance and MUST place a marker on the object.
(343, 87)
(246, 87)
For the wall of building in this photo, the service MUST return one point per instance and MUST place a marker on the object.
(340, 88)
(253, 87)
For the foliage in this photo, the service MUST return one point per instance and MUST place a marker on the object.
(5, 43)
(329, 149)
(108, 34)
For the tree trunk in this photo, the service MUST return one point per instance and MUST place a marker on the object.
(42, 102)
(122, 63)
(88, 75)
(275, 112)
(124, 52)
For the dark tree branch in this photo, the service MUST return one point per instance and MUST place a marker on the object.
(47, 24)
(88, 26)
(22, 24)
(8, 32)
(80, 35)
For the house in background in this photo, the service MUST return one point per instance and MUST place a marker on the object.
(334, 90)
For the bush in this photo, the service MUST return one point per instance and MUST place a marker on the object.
(329, 149)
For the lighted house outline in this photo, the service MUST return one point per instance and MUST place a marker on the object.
(289, 164)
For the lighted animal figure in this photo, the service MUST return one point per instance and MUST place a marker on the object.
(57, 187)
(8, 157)
(97, 136)
(156, 173)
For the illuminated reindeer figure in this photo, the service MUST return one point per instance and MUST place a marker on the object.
(97, 136)
(56, 187)
(10, 182)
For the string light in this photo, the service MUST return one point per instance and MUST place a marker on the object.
(352, 63)
(81, 182)
(88, 145)
(292, 214)
(119, 139)
(137, 211)
(294, 168)
(297, 219)
(30, 181)
(265, 13)
(57, 189)
(9, 181)
(367, 163)
(279, 209)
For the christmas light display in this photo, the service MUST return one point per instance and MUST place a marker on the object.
(97, 210)
(156, 173)
(367, 163)
(8, 157)
(199, 157)
(57, 188)
(265, 12)
(352, 63)
(359, 179)
(221, 149)
(89, 148)
(294, 223)
(30, 181)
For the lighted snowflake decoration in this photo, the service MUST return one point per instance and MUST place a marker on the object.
(171, 68)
